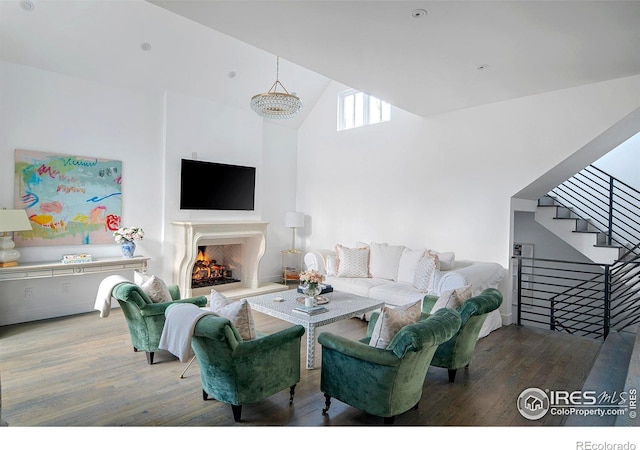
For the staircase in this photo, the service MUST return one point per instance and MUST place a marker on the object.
(595, 213)
(576, 231)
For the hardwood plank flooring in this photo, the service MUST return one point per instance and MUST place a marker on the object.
(81, 371)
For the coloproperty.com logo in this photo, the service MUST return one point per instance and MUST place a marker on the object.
(534, 403)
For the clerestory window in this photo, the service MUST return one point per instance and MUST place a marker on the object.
(357, 109)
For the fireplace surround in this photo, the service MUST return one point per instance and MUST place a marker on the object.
(189, 236)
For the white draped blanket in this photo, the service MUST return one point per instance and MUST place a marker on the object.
(180, 322)
(103, 297)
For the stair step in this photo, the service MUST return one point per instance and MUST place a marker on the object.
(607, 246)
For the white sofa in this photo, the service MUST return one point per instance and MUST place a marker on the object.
(400, 289)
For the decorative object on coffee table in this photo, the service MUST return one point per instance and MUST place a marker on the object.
(310, 282)
(126, 237)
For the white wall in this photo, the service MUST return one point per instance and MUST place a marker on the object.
(445, 181)
(623, 162)
(49, 112)
(201, 129)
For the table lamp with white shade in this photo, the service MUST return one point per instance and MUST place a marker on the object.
(11, 220)
(294, 220)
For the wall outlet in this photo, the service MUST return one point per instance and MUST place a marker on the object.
(66, 288)
(28, 293)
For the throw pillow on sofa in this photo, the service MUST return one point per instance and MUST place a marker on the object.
(237, 312)
(391, 320)
(155, 288)
(426, 271)
(447, 260)
(384, 260)
(452, 299)
(352, 262)
(408, 264)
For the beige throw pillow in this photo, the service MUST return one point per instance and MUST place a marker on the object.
(352, 262)
(391, 320)
(155, 288)
(447, 260)
(426, 271)
(237, 312)
(452, 299)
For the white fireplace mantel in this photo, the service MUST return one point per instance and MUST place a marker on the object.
(189, 235)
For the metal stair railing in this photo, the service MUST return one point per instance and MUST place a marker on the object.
(609, 205)
(585, 299)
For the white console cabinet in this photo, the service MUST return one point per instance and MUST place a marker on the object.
(44, 290)
(26, 271)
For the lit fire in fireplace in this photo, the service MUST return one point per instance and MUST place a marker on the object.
(209, 273)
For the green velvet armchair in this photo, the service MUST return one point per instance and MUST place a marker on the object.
(457, 352)
(240, 372)
(383, 382)
(145, 319)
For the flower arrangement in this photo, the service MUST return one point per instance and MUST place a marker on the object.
(128, 234)
(311, 278)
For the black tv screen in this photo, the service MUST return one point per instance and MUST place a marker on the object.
(215, 186)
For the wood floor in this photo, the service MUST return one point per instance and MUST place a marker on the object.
(82, 371)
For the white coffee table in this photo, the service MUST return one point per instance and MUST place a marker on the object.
(341, 306)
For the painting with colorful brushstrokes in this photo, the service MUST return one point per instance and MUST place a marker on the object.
(70, 200)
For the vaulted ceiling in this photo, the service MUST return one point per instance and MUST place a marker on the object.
(426, 57)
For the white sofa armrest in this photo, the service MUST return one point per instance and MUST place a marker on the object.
(314, 260)
(479, 274)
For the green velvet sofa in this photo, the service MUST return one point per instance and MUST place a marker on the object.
(240, 372)
(457, 352)
(145, 319)
(383, 382)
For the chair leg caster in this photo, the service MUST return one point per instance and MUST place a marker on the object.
(389, 420)
(452, 375)
(205, 396)
(327, 404)
(149, 357)
(292, 391)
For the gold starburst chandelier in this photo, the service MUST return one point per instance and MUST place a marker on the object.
(276, 105)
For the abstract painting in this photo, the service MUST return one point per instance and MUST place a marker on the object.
(70, 200)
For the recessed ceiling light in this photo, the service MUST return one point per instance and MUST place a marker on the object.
(482, 67)
(231, 74)
(418, 13)
(27, 5)
(145, 46)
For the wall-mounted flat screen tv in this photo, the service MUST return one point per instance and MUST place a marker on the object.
(215, 186)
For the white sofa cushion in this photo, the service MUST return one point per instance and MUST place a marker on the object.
(408, 263)
(357, 286)
(397, 293)
(353, 262)
(384, 260)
